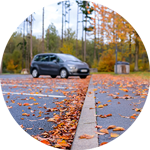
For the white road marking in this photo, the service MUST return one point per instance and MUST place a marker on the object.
(37, 86)
(44, 95)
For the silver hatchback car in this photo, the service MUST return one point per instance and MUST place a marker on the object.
(55, 64)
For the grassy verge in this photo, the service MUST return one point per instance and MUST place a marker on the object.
(144, 75)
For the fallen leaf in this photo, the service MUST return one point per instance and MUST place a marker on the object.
(119, 129)
(114, 135)
(111, 127)
(104, 131)
(26, 104)
(62, 143)
(103, 145)
(98, 126)
(45, 142)
(109, 101)
(99, 133)
(86, 136)
(100, 106)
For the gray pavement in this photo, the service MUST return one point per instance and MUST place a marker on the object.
(87, 123)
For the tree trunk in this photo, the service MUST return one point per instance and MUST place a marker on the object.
(3, 42)
(95, 38)
(130, 61)
(31, 40)
(77, 31)
(136, 55)
(23, 50)
(82, 37)
(85, 37)
(62, 25)
(43, 32)
(48, 40)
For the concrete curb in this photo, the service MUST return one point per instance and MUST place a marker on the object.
(87, 123)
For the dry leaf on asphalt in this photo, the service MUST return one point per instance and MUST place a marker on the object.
(111, 127)
(114, 135)
(86, 136)
(119, 129)
(104, 131)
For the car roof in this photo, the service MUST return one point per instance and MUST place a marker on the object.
(51, 54)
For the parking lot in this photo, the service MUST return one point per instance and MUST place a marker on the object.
(33, 102)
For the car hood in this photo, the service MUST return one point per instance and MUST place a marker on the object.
(78, 64)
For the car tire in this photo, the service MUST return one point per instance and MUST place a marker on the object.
(35, 73)
(83, 77)
(64, 73)
(53, 76)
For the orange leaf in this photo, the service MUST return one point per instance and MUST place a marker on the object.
(100, 106)
(26, 104)
(103, 145)
(111, 127)
(45, 142)
(104, 131)
(86, 136)
(119, 129)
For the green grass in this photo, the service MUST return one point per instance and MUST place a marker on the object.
(144, 75)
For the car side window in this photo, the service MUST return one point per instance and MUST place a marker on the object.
(44, 58)
(59, 60)
(37, 58)
(53, 58)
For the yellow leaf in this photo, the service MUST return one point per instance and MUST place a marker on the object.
(109, 101)
(100, 106)
(114, 135)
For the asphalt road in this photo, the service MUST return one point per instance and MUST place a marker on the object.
(107, 89)
(40, 94)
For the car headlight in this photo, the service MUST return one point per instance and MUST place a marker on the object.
(72, 67)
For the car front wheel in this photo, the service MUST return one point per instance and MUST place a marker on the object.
(35, 73)
(83, 77)
(63, 73)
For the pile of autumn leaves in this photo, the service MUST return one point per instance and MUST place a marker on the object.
(67, 119)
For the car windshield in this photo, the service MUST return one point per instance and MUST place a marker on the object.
(66, 57)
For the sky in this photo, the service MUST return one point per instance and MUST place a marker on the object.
(53, 14)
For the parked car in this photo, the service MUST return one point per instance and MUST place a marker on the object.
(55, 64)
